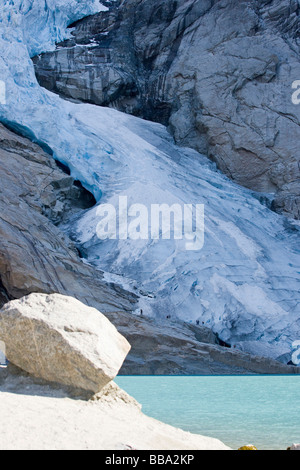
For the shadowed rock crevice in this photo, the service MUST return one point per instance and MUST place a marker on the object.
(70, 195)
(222, 85)
(4, 296)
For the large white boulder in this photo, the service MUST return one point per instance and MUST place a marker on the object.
(59, 339)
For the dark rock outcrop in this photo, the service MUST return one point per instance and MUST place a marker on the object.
(218, 72)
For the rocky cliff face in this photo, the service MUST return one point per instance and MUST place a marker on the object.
(218, 72)
(35, 255)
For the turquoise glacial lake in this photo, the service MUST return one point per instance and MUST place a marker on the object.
(238, 410)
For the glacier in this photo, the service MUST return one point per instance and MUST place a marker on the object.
(244, 283)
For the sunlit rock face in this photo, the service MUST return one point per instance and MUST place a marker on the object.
(219, 73)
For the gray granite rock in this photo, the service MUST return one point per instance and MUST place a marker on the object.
(61, 340)
(218, 72)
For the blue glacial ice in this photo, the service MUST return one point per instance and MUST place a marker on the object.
(244, 283)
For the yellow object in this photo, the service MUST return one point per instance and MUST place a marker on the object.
(248, 447)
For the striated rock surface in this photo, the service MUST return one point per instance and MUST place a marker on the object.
(223, 85)
(35, 256)
(177, 348)
(59, 339)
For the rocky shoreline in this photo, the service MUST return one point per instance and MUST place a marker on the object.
(57, 392)
(59, 339)
(45, 417)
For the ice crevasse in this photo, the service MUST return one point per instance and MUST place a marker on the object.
(244, 282)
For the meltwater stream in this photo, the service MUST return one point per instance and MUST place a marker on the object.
(262, 410)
